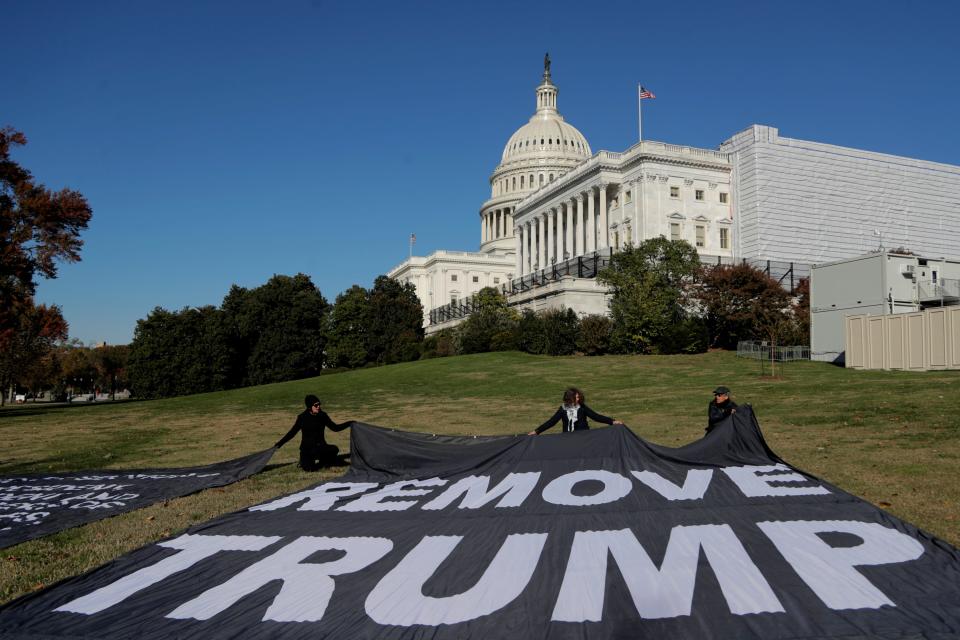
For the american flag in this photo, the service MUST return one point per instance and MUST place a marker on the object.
(413, 238)
(646, 93)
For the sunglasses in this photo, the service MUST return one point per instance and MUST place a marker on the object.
(316, 404)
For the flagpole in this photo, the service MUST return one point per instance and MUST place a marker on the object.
(639, 114)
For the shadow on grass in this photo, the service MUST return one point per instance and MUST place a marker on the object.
(278, 465)
(27, 468)
(30, 468)
(30, 410)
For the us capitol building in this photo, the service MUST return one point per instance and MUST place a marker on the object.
(557, 211)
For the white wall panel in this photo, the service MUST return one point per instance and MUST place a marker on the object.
(810, 202)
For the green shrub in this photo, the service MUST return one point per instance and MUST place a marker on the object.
(506, 340)
(560, 330)
(530, 334)
(438, 345)
(594, 336)
(687, 336)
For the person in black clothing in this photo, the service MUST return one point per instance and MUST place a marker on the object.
(720, 407)
(573, 413)
(315, 453)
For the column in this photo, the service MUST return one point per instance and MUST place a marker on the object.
(551, 243)
(528, 238)
(568, 221)
(604, 239)
(541, 242)
(579, 236)
(639, 224)
(509, 217)
(483, 229)
(518, 244)
(591, 245)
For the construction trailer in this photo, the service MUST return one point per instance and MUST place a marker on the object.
(875, 284)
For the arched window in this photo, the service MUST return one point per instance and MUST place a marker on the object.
(513, 186)
(551, 177)
(541, 179)
(521, 182)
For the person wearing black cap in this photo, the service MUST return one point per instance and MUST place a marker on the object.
(315, 453)
(720, 407)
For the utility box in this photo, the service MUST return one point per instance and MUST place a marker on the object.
(875, 284)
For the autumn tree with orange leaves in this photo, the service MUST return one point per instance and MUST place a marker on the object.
(38, 229)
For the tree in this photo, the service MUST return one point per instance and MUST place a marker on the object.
(348, 325)
(279, 328)
(492, 325)
(33, 335)
(38, 228)
(594, 336)
(799, 333)
(110, 362)
(531, 336)
(649, 285)
(740, 302)
(77, 368)
(396, 321)
(561, 328)
(42, 374)
(180, 353)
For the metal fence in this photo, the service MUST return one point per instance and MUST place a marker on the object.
(762, 351)
(579, 267)
(787, 275)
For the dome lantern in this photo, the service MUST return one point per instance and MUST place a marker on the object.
(547, 91)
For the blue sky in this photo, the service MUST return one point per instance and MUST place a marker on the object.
(220, 143)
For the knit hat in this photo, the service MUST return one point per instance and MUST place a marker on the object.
(311, 400)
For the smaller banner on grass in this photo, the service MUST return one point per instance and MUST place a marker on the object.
(32, 506)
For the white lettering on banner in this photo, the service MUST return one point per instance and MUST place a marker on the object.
(193, 549)
(559, 491)
(307, 587)
(516, 486)
(398, 598)
(694, 486)
(24, 517)
(374, 501)
(62, 487)
(318, 498)
(828, 570)
(666, 592)
(754, 485)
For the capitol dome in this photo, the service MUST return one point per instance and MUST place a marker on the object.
(546, 135)
(538, 153)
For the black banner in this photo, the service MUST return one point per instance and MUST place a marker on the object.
(32, 506)
(590, 534)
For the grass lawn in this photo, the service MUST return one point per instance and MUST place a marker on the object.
(890, 437)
